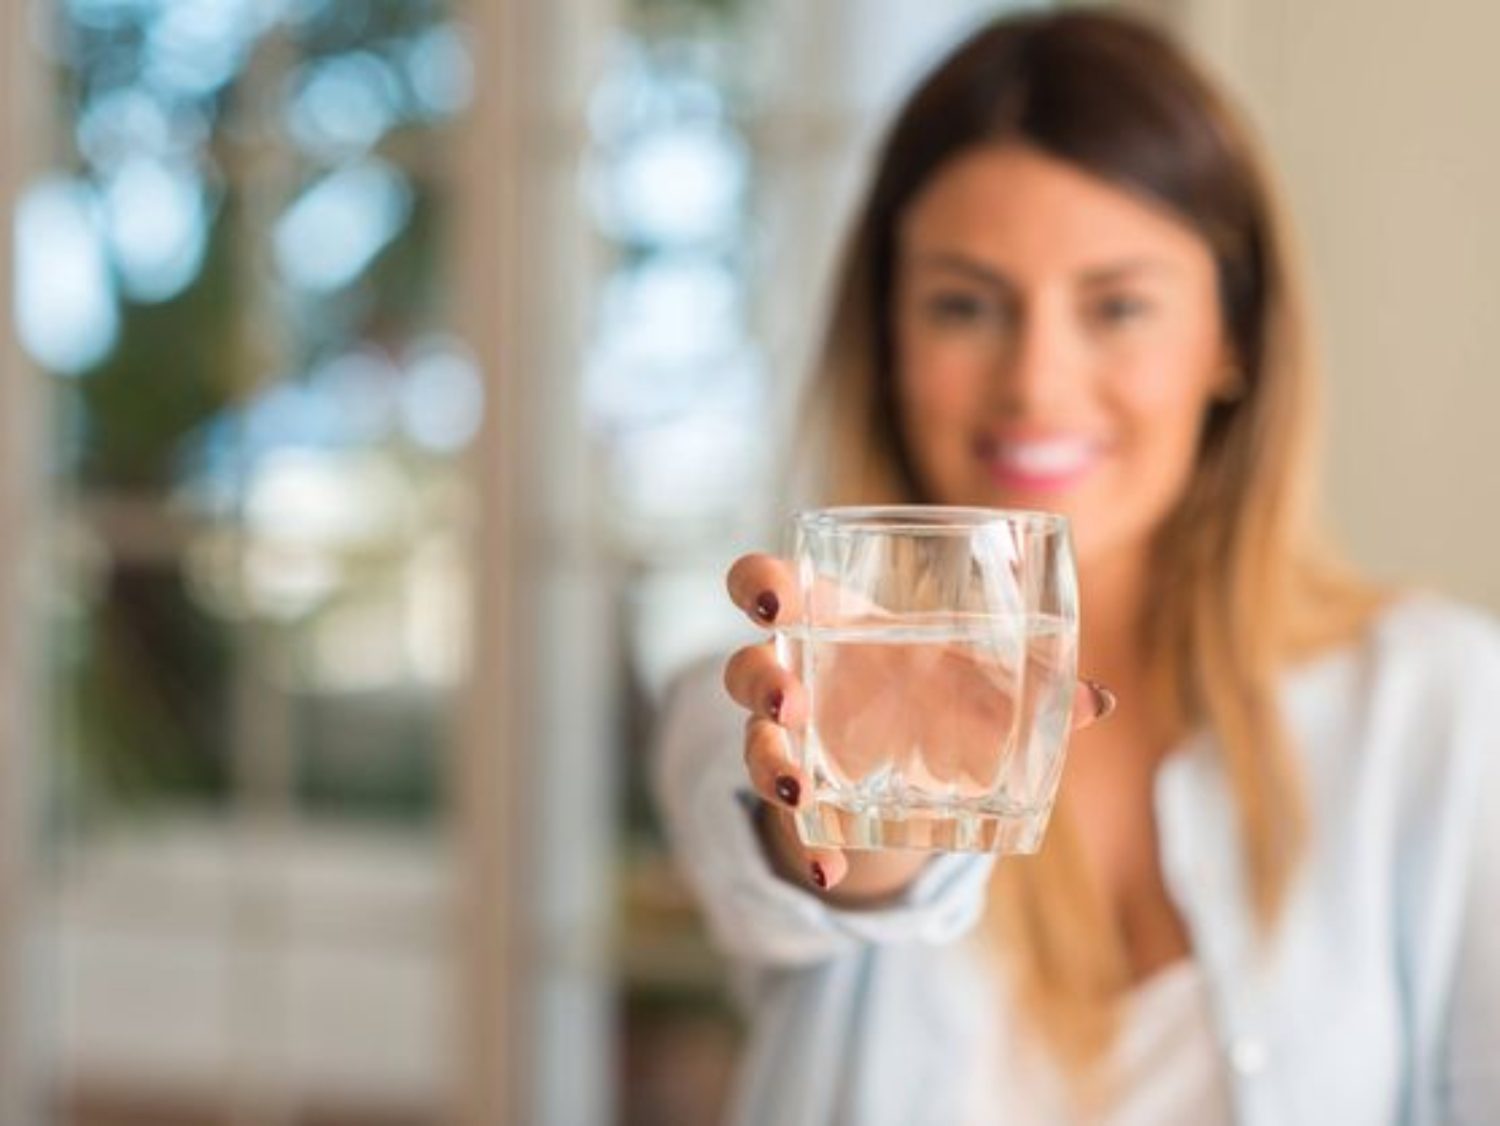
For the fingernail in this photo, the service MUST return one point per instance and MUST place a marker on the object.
(767, 606)
(819, 877)
(773, 704)
(1104, 699)
(788, 789)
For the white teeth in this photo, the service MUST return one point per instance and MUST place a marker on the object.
(1049, 458)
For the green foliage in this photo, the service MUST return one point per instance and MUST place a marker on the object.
(177, 365)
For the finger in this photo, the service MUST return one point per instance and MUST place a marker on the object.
(774, 775)
(765, 588)
(826, 867)
(1092, 702)
(755, 680)
(820, 869)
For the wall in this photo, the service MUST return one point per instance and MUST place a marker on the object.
(1381, 117)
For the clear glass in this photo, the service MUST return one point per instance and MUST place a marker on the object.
(938, 649)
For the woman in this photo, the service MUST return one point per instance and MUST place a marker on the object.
(1267, 893)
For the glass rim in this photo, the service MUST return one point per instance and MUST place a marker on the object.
(924, 519)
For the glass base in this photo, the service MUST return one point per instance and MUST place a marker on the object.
(824, 824)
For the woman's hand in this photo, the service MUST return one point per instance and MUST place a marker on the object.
(765, 588)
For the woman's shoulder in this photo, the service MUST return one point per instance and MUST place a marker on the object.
(1418, 689)
(1432, 643)
(1434, 617)
(1413, 703)
(1419, 639)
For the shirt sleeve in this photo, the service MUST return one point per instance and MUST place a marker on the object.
(756, 916)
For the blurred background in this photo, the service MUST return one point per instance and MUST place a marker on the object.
(386, 385)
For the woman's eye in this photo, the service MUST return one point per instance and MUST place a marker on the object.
(958, 308)
(1119, 309)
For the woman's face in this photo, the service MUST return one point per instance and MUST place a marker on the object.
(1058, 342)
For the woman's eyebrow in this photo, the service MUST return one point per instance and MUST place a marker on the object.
(1128, 267)
(1102, 274)
(954, 262)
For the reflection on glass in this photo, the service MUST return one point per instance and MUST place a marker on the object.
(440, 397)
(154, 214)
(673, 374)
(673, 396)
(65, 309)
(333, 231)
(343, 105)
(675, 185)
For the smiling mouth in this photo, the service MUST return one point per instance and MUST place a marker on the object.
(1040, 463)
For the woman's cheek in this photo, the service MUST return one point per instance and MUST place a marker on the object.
(947, 378)
(1161, 387)
(940, 409)
(1161, 406)
(1166, 365)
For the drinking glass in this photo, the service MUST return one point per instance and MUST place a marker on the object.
(938, 649)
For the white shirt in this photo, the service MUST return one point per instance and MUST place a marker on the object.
(1165, 1060)
(1378, 1000)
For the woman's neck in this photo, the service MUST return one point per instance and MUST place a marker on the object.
(1112, 598)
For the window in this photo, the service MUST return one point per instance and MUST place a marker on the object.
(238, 244)
(233, 271)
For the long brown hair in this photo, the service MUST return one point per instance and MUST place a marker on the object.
(1241, 584)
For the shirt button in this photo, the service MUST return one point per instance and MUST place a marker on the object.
(1248, 1056)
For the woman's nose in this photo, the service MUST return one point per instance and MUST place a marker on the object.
(1039, 369)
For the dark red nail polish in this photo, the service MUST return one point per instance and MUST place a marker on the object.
(788, 789)
(767, 606)
(819, 877)
(774, 703)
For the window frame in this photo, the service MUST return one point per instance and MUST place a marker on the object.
(20, 415)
